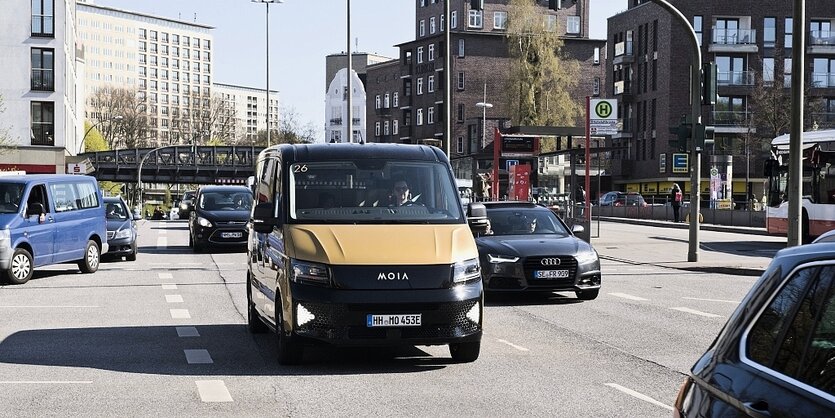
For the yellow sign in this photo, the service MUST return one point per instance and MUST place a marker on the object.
(633, 187)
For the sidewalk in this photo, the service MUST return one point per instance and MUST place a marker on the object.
(723, 249)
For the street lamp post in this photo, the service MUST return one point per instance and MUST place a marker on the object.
(484, 106)
(267, 2)
(84, 138)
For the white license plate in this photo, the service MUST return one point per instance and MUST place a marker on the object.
(550, 274)
(408, 320)
(231, 234)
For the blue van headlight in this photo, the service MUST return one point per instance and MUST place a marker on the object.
(5, 238)
(464, 271)
(309, 273)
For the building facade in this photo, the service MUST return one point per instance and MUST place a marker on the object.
(40, 86)
(750, 42)
(479, 62)
(248, 107)
(336, 108)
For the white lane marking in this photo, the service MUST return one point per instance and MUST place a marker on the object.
(626, 296)
(190, 264)
(159, 264)
(638, 395)
(169, 287)
(180, 314)
(49, 306)
(174, 298)
(162, 242)
(187, 332)
(165, 275)
(518, 347)
(199, 356)
(163, 231)
(735, 302)
(695, 312)
(45, 382)
(213, 391)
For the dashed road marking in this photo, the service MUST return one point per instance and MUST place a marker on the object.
(174, 298)
(735, 302)
(183, 332)
(627, 296)
(213, 391)
(163, 231)
(639, 395)
(180, 314)
(199, 356)
(169, 287)
(518, 347)
(49, 306)
(162, 242)
(45, 382)
(695, 312)
(165, 275)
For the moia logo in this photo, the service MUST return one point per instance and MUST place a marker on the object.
(392, 276)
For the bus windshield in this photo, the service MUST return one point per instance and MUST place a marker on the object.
(818, 168)
(373, 192)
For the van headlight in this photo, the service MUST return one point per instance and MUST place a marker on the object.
(464, 271)
(5, 238)
(309, 273)
(122, 233)
(205, 223)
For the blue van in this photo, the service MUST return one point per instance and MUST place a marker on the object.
(50, 219)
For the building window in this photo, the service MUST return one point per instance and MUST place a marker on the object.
(430, 84)
(422, 28)
(459, 145)
(453, 19)
(422, 3)
(420, 55)
(143, 33)
(377, 129)
(207, 44)
(431, 52)
(459, 115)
(460, 48)
(175, 39)
(596, 60)
(43, 18)
(430, 116)
(43, 69)
(432, 25)
(386, 101)
(787, 72)
(394, 127)
(460, 80)
(697, 27)
(573, 25)
(596, 86)
(768, 71)
(551, 23)
(386, 128)
(377, 102)
(499, 20)
(475, 19)
(154, 35)
(420, 117)
(43, 120)
(395, 100)
(442, 23)
(420, 86)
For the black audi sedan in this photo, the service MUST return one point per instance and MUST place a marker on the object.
(219, 217)
(121, 228)
(528, 248)
(776, 354)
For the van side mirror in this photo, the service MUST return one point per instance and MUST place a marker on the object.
(250, 183)
(136, 217)
(262, 218)
(35, 209)
(477, 218)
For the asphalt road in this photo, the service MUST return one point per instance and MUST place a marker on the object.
(166, 336)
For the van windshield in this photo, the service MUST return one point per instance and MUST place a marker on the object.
(10, 197)
(373, 192)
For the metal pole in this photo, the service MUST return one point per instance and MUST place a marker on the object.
(795, 181)
(448, 81)
(268, 73)
(349, 130)
(484, 118)
(587, 168)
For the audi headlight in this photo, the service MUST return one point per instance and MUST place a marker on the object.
(464, 271)
(204, 222)
(498, 259)
(310, 273)
(587, 257)
(122, 233)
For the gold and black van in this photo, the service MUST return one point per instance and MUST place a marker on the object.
(362, 244)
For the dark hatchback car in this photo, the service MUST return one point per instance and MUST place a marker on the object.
(121, 228)
(219, 217)
(776, 354)
(528, 248)
(622, 199)
(187, 204)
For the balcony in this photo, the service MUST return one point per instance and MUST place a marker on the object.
(733, 40)
(821, 42)
(735, 78)
(823, 80)
(624, 129)
(623, 88)
(623, 53)
(732, 121)
(43, 80)
(383, 111)
(43, 134)
(336, 122)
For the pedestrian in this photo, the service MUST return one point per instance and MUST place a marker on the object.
(580, 200)
(675, 201)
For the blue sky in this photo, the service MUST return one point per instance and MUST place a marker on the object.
(302, 33)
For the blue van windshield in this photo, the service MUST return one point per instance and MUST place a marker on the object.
(10, 196)
(375, 192)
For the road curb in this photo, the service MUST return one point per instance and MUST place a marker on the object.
(670, 224)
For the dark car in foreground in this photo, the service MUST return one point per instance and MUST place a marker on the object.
(121, 229)
(219, 217)
(528, 248)
(776, 354)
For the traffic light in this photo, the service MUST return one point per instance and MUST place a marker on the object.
(477, 4)
(709, 83)
(683, 133)
(704, 135)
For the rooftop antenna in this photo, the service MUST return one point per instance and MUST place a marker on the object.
(195, 17)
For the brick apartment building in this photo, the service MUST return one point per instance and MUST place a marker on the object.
(750, 42)
(406, 96)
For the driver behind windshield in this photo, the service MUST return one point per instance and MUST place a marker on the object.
(400, 193)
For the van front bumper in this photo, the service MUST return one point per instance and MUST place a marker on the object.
(340, 317)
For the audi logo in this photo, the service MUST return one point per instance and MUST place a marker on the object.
(550, 261)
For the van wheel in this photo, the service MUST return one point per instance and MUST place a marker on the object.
(253, 320)
(465, 352)
(132, 255)
(90, 262)
(21, 267)
(587, 294)
(289, 351)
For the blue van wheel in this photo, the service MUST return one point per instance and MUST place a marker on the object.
(20, 268)
(90, 262)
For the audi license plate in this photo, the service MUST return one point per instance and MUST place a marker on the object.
(550, 274)
(231, 234)
(399, 320)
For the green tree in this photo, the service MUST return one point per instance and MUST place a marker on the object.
(541, 75)
(94, 141)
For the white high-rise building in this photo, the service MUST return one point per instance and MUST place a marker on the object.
(39, 84)
(250, 110)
